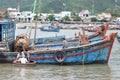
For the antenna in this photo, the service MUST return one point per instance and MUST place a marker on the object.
(18, 7)
(36, 10)
(93, 7)
(36, 6)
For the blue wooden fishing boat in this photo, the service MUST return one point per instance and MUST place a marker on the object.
(118, 38)
(49, 29)
(94, 52)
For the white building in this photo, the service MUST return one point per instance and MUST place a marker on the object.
(106, 16)
(84, 13)
(11, 10)
(65, 13)
(27, 15)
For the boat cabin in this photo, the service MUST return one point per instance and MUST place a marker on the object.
(7, 34)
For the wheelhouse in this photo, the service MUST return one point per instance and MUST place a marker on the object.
(7, 34)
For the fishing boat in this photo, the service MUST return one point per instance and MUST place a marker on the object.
(29, 64)
(94, 52)
(49, 29)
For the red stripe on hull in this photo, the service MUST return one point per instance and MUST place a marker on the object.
(110, 51)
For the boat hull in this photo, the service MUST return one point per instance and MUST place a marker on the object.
(97, 53)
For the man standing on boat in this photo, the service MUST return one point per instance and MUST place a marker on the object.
(65, 43)
(20, 54)
(28, 53)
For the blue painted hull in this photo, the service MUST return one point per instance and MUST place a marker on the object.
(98, 52)
(77, 55)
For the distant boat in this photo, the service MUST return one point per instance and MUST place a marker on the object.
(90, 29)
(49, 29)
(21, 27)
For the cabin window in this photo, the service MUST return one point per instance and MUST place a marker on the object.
(0, 32)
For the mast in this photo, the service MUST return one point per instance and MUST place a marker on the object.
(18, 7)
(36, 10)
(93, 6)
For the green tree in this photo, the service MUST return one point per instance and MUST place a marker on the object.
(50, 18)
(76, 18)
(66, 18)
(94, 19)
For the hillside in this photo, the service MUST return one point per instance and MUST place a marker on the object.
(60, 5)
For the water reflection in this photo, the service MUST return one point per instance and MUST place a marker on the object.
(56, 72)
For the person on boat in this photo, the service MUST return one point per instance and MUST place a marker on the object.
(65, 43)
(23, 60)
(83, 38)
(20, 54)
(28, 53)
(80, 38)
(75, 35)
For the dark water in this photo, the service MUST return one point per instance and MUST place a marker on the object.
(110, 71)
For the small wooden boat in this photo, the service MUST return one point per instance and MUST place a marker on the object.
(49, 29)
(32, 63)
(21, 27)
